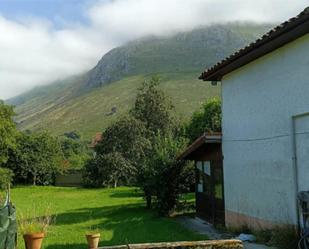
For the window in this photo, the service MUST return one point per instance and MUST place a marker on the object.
(207, 168)
(199, 166)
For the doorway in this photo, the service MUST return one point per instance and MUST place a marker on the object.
(210, 191)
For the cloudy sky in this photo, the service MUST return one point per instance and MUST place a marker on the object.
(45, 40)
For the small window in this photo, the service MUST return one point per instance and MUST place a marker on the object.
(200, 187)
(200, 182)
(207, 170)
(199, 166)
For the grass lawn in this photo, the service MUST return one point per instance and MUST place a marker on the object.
(118, 213)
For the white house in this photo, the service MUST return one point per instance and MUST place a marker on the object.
(265, 126)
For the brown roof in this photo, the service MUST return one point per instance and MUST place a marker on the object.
(205, 138)
(275, 38)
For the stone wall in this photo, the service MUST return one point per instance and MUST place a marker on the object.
(208, 244)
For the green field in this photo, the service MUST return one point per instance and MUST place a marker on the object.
(118, 213)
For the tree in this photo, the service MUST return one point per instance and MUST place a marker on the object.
(156, 111)
(154, 108)
(127, 137)
(7, 131)
(144, 146)
(206, 120)
(74, 151)
(35, 159)
(166, 175)
(123, 148)
(107, 170)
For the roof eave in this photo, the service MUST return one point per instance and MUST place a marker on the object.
(274, 40)
(205, 138)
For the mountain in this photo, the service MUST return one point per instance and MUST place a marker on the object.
(89, 102)
(190, 51)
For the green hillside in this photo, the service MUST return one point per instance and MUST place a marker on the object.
(89, 102)
(92, 112)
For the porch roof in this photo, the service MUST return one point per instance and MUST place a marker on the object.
(206, 138)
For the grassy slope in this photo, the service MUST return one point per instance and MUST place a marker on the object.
(88, 113)
(119, 214)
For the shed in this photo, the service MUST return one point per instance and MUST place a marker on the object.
(209, 190)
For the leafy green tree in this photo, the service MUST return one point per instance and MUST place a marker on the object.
(7, 131)
(143, 145)
(165, 174)
(127, 137)
(206, 120)
(124, 143)
(75, 153)
(156, 111)
(154, 108)
(108, 170)
(35, 159)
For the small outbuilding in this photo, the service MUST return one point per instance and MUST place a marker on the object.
(209, 190)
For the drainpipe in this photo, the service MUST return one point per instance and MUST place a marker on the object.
(295, 165)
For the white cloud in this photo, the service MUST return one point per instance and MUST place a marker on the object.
(33, 52)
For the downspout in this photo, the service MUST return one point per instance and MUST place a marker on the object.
(295, 165)
(294, 158)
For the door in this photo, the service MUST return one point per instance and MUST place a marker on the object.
(210, 191)
(218, 194)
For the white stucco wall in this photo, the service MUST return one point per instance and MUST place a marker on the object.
(258, 101)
